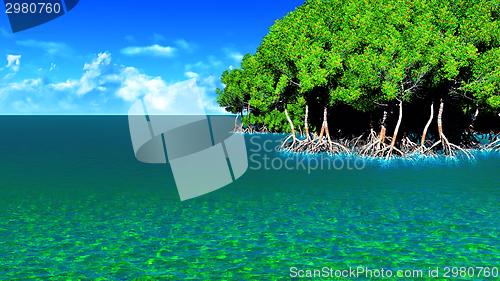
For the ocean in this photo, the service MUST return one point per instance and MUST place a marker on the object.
(76, 204)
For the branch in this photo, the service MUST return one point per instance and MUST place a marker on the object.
(413, 86)
(294, 83)
(290, 78)
(381, 104)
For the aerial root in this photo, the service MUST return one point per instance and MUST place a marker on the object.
(408, 146)
(378, 145)
(427, 148)
(238, 126)
(495, 145)
(450, 149)
(374, 146)
(314, 145)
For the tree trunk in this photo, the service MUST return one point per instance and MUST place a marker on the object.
(322, 132)
(292, 128)
(440, 120)
(236, 127)
(444, 141)
(242, 125)
(383, 129)
(250, 128)
(306, 123)
(324, 126)
(448, 148)
(471, 126)
(424, 134)
(396, 130)
(327, 131)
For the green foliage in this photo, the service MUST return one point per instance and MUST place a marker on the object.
(364, 53)
(485, 80)
(233, 96)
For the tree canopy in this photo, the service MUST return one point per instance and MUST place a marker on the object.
(364, 54)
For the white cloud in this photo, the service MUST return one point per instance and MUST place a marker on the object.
(64, 86)
(197, 65)
(191, 75)
(108, 88)
(25, 85)
(51, 48)
(97, 76)
(184, 97)
(93, 74)
(14, 62)
(210, 64)
(135, 85)
(153, 50)
(179, 98)
(235, 56)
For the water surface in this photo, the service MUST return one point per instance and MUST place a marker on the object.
(74, 203)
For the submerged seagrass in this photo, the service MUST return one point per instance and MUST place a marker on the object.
(76, 204)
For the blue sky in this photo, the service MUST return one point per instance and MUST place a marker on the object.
(103, 55)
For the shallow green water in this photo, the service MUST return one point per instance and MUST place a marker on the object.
(74, 203)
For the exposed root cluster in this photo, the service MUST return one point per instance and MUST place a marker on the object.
(375, 145)
(408, 146)
(448, 148)
(379, 144)
(495, 145)
(239, 128)
(314, 144)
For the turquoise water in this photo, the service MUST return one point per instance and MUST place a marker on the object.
(75, 204)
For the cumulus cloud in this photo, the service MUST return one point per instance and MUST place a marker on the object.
(180, 98)
(92, 77)
(155, 50)
(64, 86)
(191, 75)
(14, 62)
(135, 84)
(185, 97)
(96, 75)
(105, 87)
